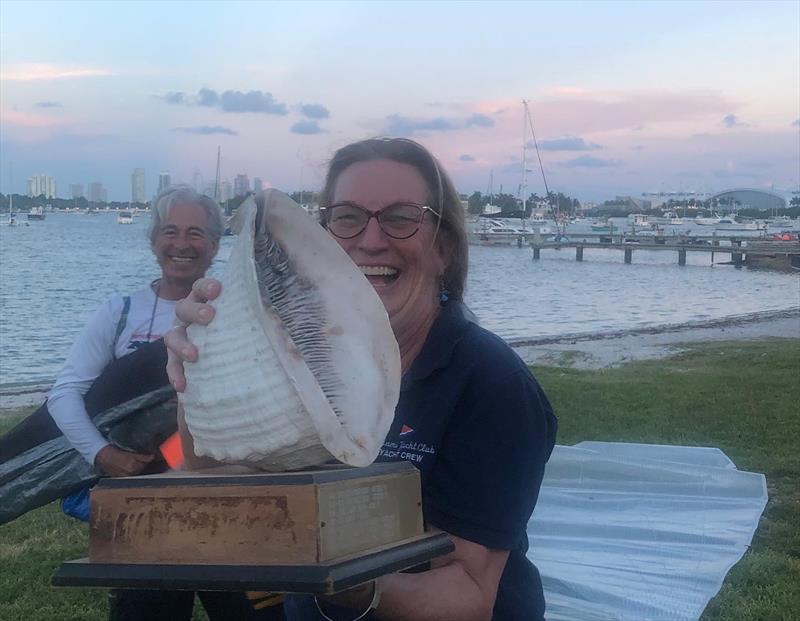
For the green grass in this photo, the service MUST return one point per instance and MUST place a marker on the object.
(743, 397)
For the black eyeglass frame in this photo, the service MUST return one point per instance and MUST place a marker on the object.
(377, 215)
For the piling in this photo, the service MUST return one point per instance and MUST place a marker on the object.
(579, 253)
(682, 256)
(628, 255)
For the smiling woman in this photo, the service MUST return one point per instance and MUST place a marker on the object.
(470, 415)
(184, 235)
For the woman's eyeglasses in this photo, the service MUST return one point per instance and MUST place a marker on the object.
(398, 220)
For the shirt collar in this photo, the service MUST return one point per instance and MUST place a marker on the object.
(450, 326)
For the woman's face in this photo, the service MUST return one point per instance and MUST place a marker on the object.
(404, 272)
(184, 247)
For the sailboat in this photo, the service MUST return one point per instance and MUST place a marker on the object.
(490, 209)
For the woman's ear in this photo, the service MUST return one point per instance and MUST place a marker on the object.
(444, 247)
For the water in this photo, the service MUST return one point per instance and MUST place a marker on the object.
(54, 274)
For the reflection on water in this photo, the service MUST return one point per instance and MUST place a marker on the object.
(54, 274)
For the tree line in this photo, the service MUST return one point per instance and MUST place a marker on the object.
(555, 202)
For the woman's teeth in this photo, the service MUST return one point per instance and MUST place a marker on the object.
(379, 275)
(377, 270)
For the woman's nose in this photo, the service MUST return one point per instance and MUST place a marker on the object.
(372, 236)
(181, 240)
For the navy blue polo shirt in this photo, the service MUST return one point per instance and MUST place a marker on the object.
(477, 425)
(480, 429)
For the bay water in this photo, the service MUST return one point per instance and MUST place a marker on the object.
(55, 273)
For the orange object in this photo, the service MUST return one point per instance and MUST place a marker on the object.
(172, 451)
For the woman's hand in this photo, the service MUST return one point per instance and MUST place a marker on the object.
(116, 462)
(192, 309)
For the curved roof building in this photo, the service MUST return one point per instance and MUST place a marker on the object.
(744, 198)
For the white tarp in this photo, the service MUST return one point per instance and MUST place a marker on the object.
(637, 532)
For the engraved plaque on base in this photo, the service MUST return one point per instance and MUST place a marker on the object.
(246, 519)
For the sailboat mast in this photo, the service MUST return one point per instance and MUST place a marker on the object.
(216, 179)
(10, 188)
(539, 157)
(524, 160)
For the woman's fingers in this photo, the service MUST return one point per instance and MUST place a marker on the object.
(179, 349)
(205, 289)
(191, 310)
(187, 311)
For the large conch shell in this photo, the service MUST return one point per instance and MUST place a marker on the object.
(300, 363)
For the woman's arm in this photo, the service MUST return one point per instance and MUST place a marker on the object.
(87, 358)
(461, 586)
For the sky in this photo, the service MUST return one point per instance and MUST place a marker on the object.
(625, 97)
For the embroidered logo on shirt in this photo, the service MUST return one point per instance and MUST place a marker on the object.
(405, 430)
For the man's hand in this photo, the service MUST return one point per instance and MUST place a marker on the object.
(115, 462)
(190, 310)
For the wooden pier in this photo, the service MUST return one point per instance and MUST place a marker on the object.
(742, 250)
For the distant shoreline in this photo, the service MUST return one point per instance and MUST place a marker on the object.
(588, 350)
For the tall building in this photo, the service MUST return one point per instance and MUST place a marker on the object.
(76, 190)
(258, 185)
(241, 185)
(97, 193)
(138, 194)
(39, 185)
(225, 191)
(163, 180)
(197, 180)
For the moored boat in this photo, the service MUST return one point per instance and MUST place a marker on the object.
(36, 213)
(731, 224)
(669, 217)
(712, 220)
(601, 225)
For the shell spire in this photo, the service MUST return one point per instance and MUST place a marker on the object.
(300, 363)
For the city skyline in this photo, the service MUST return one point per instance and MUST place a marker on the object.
(626, 98)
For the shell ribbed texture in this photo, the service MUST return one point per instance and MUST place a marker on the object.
(241, 403)
(299, 364)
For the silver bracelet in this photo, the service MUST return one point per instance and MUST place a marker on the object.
(376, 598)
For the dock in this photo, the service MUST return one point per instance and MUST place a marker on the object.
(750, 251)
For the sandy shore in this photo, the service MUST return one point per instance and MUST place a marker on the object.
(597, 351)
(587, 350)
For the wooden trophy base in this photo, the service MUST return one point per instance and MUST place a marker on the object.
(314, 531)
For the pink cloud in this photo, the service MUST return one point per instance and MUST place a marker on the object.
(26, 119)
(624, 111)
(31, 72)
